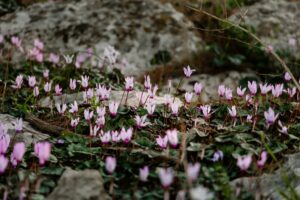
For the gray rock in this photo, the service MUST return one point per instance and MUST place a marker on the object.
(275, 23)
(138, 29)
(79, 185)
(201, 193)
(28, 136)
(270, 185)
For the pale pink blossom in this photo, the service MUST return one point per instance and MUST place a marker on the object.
(36, 91)
(198, 88)
(188, 71)
(110, 164)
(150, 108)
(249, 118)
(244, 162)
(218, 155)
(287, 76)
(141, 121)
(105, 137)
(47, 87)
(283, 129)
(291, 91)
(166, 176)
(147, 83)
(18, 153)
(46, 73)
(85, 81)
(188, 97)
(228, 94)
(102, 92)
(277, 90)
(100, 121)
(221, 90)
(193, 171)
(4, 139)
(162, 141)
(129, 82)
(3, 163)
(94, 130)
(152, 93)
(90, 93)
(31, 81)
(88, 115)
(53, 58)
(113, 108)
(264, 89)
(270, 116)
(74, 122)
(115, 136)
(61, 109)
(58, 90)
(126, 135)
(175, 108)
(168, 99)
(18, 82)
(144, 172)
(232, 112)
(101, 111)
(39, 44)
(74, 108)
(240, 92)
(68, 58)
(252, 86)
(42, 150)
(172, 137)
(18, 125)
(72, 84)
(206, 111)
(263, 159)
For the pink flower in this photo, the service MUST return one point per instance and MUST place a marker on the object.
(263, 159)
(74, 122)
(284, 129)
(172, 137)
(175, 108)
(72, 84)
(249, 118)
(85, 81)
(42, 151)
(31, 81)
(287, 76)
(166, 176)
(103, 92)
(153, 92)
(162, 141)
(38, 44)
(18, 153)
(188, 97)
(115, 136)
(3, 163)
(168, 99)
(17, 42)
(100, 111)
(126, 135)
(129, 82)
(252, 86)
(270, 116)
(206, 111)
(18, 125)
(105, 138)
(198, 88)
(110, 164)
(291, 92)
(4, 140)
(141, 121)
(47, 87)
(36, 91)
(147, 82)
(277, 90)
(188, 71)
(244, 162)
(18, 82)
(113, 108)
(100, 121)
(221, 90)
(228, 94)
(53, 58)
(193, 171)
(58, 90)
(74, 108)
(218, 155)
(232, 111)
(46, 73)
(89, 93)
(144, 172)
(264, 89)
(68, 58)
(61, 109)
(88, 115)
(150, 108)
(240, 92)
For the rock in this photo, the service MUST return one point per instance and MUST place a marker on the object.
(138, 29)
(28, 136)
(79, 185)
(201, 193)
(269, 185)
(275, 22)
(133, 99)
(211, 83)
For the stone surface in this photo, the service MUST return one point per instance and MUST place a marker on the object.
(136, 28)
(29, 135)
(275, 22)
(269, 185)
(201, 193)
(79, 185)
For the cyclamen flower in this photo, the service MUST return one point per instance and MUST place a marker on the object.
(58, 90)
(240, 92)
(115, 136)
(68, 58)
(31, 81)
(18, 82)
(162, 141)
(3, 163)
(270, 116)
(263, 159)
(284, 129)
(172, 137)
(252, 86)
(103, 92)
(88, 115)
(168, 99)
(141, 121)
(218, 155)
(110, 164)
(18, 153)
(74, 122)
(228, 94)
(144, 172)
(291, 92)
(175, 108)
(17, 42)
(166, 176)
(100, 121)
(147, 83)
(206, 111)
(61, 109)
(126, 135)
(72, 84)
(188, 71)
(264, 89)
(277, 90)
(100, 111)
(47, 87)
(89, 93)
(198, 88)
(39, 44)
(36, 91)
(232, 111)
(4, 140)
(74, 108)
(188, 97)
(19, 125)
(287, 76)
(46, 73)
(85, 81)
(244, 162)
(129, 82)
(152, 92)
(249, 118)
(150, 108)
(221, 90)
(113, 108)
(42, 150)
(105, 138)
(53, 58)
(193, 171)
